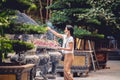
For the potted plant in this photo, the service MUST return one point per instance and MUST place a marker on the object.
(8, 26)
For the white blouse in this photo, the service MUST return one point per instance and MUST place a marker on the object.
(66, 41)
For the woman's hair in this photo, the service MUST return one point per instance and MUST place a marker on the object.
(70, 28)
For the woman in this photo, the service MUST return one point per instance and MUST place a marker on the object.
(67, 48)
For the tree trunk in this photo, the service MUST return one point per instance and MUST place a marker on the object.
(0, 58)
(41, 16)
(50, 13)
(47, 12)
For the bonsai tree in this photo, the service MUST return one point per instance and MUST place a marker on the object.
(83, 33)
(8, 25)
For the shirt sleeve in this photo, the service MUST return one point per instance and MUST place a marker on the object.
(71, 39)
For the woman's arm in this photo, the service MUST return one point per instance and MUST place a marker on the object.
(54, 32)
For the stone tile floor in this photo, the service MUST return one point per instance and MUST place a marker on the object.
(103, 74)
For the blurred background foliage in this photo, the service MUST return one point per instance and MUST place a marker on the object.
(100, 15)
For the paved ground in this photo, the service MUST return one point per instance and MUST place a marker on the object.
(103, 74)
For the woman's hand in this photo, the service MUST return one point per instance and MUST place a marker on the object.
(60, 48)
(54, 32)
(48, 28)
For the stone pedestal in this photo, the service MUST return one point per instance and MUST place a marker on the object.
(18, 72)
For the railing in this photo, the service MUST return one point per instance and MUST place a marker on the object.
(106, 44)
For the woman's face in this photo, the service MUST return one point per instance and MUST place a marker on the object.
(66, 31)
